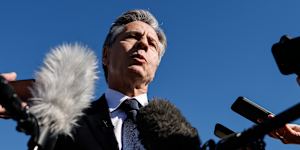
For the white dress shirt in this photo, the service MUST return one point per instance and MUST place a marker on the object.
(114, 100)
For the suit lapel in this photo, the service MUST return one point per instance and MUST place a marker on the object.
(100, 124)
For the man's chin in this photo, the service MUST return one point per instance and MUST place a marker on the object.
(138, 72)
(136, 69)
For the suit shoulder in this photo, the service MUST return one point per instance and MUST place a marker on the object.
(96, 106)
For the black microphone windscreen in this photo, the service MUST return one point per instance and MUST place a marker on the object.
(162, 126)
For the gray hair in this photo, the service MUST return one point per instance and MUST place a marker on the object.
(131, 16)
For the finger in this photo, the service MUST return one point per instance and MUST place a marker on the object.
(278, 133)
(3, 113)
(284, 141)
(273, 135)
(294, 127)
(2, 110)
(10, 76)
(4, 117)
(285, 134)
(293, 131)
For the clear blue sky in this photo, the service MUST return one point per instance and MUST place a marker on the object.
(217, 51)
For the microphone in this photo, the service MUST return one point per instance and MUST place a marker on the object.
(162, 126)
(64, 86)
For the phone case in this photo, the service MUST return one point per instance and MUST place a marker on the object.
(21, 87)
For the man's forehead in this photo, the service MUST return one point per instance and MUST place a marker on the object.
(140, 27)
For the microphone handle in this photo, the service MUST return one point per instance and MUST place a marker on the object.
(10, 100)
(238, 140)
(41, 137)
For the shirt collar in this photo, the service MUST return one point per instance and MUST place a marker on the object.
(115, 98)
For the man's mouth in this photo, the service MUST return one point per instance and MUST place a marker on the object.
(139, 58)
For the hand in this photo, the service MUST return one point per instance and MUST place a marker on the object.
(289, 134)
(10, 77)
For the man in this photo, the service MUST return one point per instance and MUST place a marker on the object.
(131, 54)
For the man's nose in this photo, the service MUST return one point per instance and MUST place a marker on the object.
(142, 44)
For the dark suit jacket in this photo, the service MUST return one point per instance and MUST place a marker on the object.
(95, 131)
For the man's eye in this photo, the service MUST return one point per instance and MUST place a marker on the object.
(131, 36)
(152, 44)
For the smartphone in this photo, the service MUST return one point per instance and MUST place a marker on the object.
(221, 131)
(21, 87)
(250, 110)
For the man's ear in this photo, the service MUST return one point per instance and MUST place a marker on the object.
(105, 56)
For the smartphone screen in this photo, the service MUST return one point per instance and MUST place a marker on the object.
(250, 110)
(21, 87)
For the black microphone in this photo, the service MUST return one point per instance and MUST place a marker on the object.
(256, 132)
(162, 126)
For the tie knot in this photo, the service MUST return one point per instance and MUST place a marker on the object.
(130, 104)
(130, 107)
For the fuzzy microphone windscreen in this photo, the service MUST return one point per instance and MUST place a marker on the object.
(64, 87)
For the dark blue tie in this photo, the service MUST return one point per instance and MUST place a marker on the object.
(130, 139)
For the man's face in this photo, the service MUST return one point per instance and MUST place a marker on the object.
(135, 54)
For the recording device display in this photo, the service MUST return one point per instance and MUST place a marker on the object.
(287, 53)
(250, 110)
(21, 87)
(221, 131)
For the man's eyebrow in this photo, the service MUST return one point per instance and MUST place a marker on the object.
(152, 38)
(133, 31)
(140, 33)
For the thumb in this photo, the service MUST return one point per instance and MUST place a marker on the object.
(10, 76)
